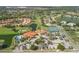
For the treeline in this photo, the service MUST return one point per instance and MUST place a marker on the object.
(34, 12)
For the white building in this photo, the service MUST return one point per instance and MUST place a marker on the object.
(71, 24)
(63, 22)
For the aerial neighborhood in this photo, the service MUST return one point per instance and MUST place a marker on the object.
(39, 29)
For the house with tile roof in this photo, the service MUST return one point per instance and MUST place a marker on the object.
(29, 34)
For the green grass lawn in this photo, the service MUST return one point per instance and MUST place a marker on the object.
(7, 34)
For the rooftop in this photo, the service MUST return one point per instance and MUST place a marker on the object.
(29, 34)
(18, 37)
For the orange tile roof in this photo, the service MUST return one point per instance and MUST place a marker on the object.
(29, 34)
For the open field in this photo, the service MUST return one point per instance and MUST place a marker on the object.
(7, 34)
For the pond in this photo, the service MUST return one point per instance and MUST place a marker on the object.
(53, 29)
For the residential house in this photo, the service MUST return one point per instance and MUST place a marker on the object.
(71, 24)
(63, 22)
(18, 38)
(46, 21)
(29, 34)
(25, 21)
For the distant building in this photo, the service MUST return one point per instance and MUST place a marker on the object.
(71, 24)
(6, 22)
(25, 21)
(15, 22)
(18, 38)
(46, 21)
(63, 22)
